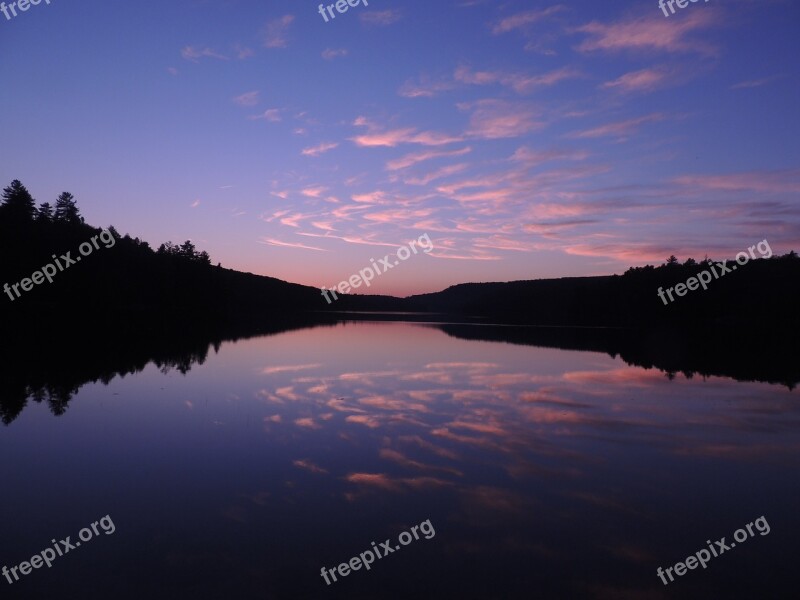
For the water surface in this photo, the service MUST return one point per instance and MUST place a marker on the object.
(544, 472)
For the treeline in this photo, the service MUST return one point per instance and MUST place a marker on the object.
(129, 287)
(760, 294)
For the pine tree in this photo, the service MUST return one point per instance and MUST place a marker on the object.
(18, 204)
(45, 213)
(67, 210)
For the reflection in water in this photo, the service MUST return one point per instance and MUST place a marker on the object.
(548, 473)
(55, 379)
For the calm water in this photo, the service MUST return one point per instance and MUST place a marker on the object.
(545, 473)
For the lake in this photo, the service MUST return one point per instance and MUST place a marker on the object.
(544, 473)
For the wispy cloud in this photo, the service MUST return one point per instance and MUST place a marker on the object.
(314, 192)
(247, 99)
(519, 82)
(409, 160)
(620, 128)
(524, 20)
(653, 33)
(331, 53)
(274, 242)
(425, 88)
(289, 368)
(438, 174)
(494, 119)
(644, 80)
(293, 220)
(395, 137)
(273, 115)
(276, 31)
(195, 54)
(308, 466)
(243, 52)
(380, 17)
(319, 149)
(787, 181)
(532, 158)
(755, 82)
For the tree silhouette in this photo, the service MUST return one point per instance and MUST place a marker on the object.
(18, 204)
(188, 250)
(67, 210)
(45, 213)
(672, 261)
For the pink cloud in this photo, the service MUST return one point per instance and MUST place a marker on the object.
(620, 128)
(365, 420)
(493, 119)
(242, 52)
(319, 149)
(288, 368)
(438, 174)
(532, 158)
(376, 197)
(274, 242)
(519, 82)
(759, 181)
(314, 192)
(272, 115)
(247, 99)
(410, 135)
(645, 80)
(293, 220)
(411, 159)
(628, 253)
(426, 88)
(308, 465)
(275, 32)
(524, 19)
(652, 32)
(332, 53)
(398, 215)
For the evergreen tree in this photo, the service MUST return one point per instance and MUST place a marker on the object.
(18, 204)
(187, 250)
(45, 213)
(67, 210)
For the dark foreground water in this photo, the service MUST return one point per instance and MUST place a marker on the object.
(543, 473)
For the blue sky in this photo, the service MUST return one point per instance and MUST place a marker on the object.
(527, 139)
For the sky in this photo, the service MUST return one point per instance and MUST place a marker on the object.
(527, 139)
